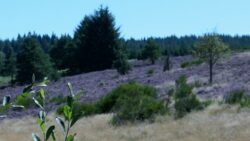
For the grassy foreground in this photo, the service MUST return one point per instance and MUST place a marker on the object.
(216, 123)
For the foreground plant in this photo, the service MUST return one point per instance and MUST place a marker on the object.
(70, 118)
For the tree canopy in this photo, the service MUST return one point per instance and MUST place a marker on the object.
(210, 48)
(32, 60)
(97, 40)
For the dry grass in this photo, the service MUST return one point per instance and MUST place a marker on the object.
(217, 123)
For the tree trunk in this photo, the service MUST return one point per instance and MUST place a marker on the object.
(210, 72)
(152, 61)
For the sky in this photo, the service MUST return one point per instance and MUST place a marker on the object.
(136, 18)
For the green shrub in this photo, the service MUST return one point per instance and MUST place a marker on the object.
(186, 105)
(182, 88)
(167, 64)
(24, 100)
(101, 83)
(81, 109)
(106, 103)
(238, 97)
(130, 102)
(4, 109)
(235, 97)
(185, 100)
(122, 66)
(150, 72)
(186, 64)
(138, 108)
(58, 99)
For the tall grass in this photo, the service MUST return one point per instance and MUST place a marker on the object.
(216, 123)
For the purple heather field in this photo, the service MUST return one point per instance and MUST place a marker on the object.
(231, 73)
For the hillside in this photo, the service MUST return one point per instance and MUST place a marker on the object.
(230, 74)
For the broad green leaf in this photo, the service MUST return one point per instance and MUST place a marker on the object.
(50, 132)
(74, 119)
(70, 138)
(28, 88)
(67, 112)
(44, 82)
(42, 115)
(35, 137)
(60, 122)
(33, 78)
(42, 95)
(37, 103)
(6, 100)
(26, 94)
(71, 90)
(41, 124)
(70, 101)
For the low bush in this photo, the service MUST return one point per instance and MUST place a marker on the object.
(4, 109)
(138, 108)
(81, 109)
(106, 104)
(58, 99)
(238, 97)
(25, 100)
(186, 105)
(150, 72)
(130, 102)
(191, 63)
(185, 100)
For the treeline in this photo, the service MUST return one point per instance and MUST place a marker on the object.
(95, 45)
(179, 46)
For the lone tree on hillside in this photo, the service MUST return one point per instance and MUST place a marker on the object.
(151, 51)
(167, 62)
(97, 40)
(210, 49)
(121, 63)
(31, 59)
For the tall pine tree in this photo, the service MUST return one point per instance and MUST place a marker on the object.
(97, 41)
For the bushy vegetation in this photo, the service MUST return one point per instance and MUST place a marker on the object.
(238, 97)
(150, 72)
(121, 63)
(186, 64)
(151, 51)
(24, 99)
(185, 100)
(130, 102)
(167, 63)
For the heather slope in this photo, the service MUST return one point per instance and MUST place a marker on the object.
(230, 74)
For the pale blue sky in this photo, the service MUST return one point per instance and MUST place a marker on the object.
(136, 18)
